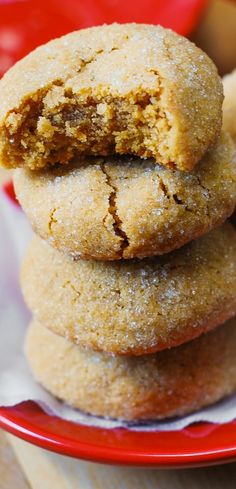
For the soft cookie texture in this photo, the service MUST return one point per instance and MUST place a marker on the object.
(134, 306)
(115, 208)
(131, 88)
(170, 383)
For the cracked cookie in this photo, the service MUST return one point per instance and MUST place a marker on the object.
(124, 208)
(134, 306)
(170, 383)
(128, 89)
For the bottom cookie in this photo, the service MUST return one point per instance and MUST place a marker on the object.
(170, 383)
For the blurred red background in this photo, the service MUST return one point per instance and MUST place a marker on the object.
(24, 24)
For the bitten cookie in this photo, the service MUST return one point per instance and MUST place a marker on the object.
(134, 306)
(115, 208)
(170, 383)
(132, 88)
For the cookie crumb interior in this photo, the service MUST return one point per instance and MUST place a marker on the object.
(125, 89)
(58, 125)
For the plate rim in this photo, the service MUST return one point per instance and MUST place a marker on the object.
(110, 455)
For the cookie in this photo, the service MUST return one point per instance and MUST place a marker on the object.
(113, 208)
(169, 383)
(134, 306)
(229, 105)
(128, 89)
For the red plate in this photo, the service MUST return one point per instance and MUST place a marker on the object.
(199, 444)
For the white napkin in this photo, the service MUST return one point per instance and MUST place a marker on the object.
(16, 381)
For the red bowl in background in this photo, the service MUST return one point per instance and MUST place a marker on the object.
(24, 24)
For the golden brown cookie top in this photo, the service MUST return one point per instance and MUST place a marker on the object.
(130, 88)
(170, 383)
(123, 207)
(134, 306)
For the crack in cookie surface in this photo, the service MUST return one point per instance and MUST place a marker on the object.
(113, 211)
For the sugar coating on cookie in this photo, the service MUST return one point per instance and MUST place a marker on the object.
(131, 88)
(111, 208)
(170, 383)
(134, 306)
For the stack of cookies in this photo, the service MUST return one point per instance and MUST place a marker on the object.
(127, 179)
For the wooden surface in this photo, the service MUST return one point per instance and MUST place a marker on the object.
(4, 175)
(11, 475)
(45, 470)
